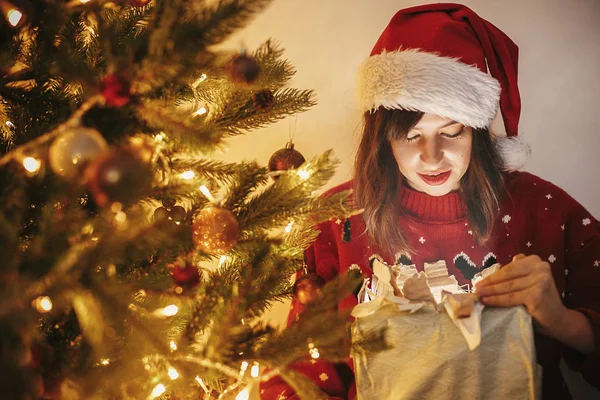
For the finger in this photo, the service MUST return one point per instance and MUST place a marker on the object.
(506, 300)
(508, 286)
(519, 256)
(513, 270)
(520, 266)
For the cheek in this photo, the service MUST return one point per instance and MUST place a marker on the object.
(460, 152)
(406, 157)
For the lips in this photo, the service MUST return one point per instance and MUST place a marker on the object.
(435, 179)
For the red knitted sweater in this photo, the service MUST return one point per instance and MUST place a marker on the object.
(536, 217)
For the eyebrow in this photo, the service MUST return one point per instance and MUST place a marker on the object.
(441, 127)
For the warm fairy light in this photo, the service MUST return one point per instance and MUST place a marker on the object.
(104, 361)
(288, 228)
(84, 1)
(158, 390)
(116, 207)
(222, 260)
(31, 164)
(120, 216)
(199, 81)
(243, 395)
(304, 174)
(200, 111)
(243, 367)
(172, 345)
(313, 351)
(187, 175)
(14, 16)
(254, 371)
(158, 137)
(170, 310)
(173, 374)
(178, 290)
(201, 383)
(43, 304)
(10, 124)
(206, 193)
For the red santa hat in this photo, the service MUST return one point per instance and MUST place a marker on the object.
(435, 59)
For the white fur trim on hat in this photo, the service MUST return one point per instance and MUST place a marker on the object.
(513, 151)
(420, 81)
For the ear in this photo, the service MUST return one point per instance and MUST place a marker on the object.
(513, 151)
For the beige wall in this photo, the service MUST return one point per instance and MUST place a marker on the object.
(559, 68)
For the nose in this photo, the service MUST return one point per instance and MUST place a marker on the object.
(432, 151)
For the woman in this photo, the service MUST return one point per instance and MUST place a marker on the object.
(435, 184)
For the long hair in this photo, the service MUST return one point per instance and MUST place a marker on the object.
(377, 180)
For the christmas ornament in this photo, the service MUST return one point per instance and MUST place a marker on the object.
(286, 158)
(263, 99)
(178, 214)
(121, 175)
(139, 3)
(115, 90)
(71, 151)
(185, 274)
(243, 69)
(308, 288)
(161, 214)
(215, 230)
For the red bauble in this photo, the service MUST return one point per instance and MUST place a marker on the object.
(139, 3)
(121, 175)
(244, 69)
(308, 288)
(215, 230)
(116, 90)
(286, 158)
(186, 275)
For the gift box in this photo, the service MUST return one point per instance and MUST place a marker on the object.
(430, 359)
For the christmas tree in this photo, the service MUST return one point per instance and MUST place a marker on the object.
(134, 265)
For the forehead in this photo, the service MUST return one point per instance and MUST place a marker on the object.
(433, 121)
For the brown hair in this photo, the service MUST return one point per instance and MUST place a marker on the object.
(378, 179)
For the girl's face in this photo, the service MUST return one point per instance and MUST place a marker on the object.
(435, 154)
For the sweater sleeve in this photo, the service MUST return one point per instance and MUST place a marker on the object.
(582, 235)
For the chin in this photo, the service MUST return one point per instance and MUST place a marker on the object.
(438, 190)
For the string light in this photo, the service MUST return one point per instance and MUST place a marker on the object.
(254, 370)
(84, 1)
(120, 216)
(201, 383)
(187, 175)
(14, 16)
(158, 390)
(170, 310)
(172, 345)
(207, 194)
(104, 361)
(10, 124)
(116, 207)
(43, 304)
(243, 367)
(200, 111)
(158, 137)
(313, 351)
(304, 174)
(31, 164)
(243, 395)
(222, 260)
(288, 228)
(173, 374)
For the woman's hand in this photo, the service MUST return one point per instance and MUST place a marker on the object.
(527, 281)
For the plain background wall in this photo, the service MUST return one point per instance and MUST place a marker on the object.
(560, 88)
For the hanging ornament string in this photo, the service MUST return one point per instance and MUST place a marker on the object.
(292, 130)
